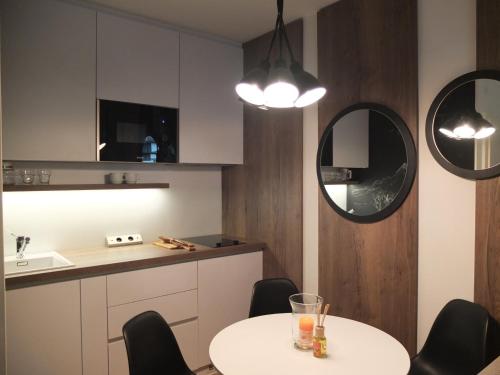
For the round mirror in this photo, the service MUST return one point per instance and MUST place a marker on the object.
(462, 128)
(366, 162)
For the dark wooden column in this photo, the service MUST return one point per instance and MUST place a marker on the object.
(367, 52)
(263, 198)
(487, 267)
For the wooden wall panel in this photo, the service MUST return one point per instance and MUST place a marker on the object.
(263, 198)
(367, 51)
(487, 266)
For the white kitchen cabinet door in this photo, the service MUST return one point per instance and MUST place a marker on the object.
(48, 81)
(137, 62)
(44, 330)
(211, 116)
(94, 326)
(225, 287)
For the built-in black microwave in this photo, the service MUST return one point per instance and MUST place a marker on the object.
(136, 132)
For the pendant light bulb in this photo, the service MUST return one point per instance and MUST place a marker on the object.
(251, 87)
(310, 89)
(484, 132)
(281, 91)
(448, 133)
(464, 131)
(310, 97)
(250, 93)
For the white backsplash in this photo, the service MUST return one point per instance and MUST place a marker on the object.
(66, 220)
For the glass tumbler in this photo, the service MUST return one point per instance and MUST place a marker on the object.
(44, 176)
(28, 176)
(304, 318)
(9, 177)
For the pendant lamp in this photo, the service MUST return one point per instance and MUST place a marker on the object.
(280, 85)
(470, 125)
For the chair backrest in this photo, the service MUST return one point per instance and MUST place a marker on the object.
(463, 338)
(151, 347)
(270, 296)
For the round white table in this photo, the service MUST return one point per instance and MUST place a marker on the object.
(264, 345)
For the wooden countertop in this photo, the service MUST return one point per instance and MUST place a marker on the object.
(104, 261)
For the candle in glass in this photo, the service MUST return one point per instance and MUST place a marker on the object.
(306, 326)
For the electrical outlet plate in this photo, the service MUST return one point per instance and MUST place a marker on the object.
(123, 240)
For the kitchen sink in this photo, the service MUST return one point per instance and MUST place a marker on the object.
(35, 262)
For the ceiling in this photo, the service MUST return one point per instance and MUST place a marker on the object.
(237, 20)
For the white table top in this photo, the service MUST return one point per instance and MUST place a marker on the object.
(492, 369)
(264, 345)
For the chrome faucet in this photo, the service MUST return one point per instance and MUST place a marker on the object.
(21, 243)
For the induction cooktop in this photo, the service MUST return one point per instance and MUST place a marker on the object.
(214, 240)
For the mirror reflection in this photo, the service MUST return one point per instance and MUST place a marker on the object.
(466, 125)
(363, 162)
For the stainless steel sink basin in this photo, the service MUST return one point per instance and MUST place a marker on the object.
(35, 262)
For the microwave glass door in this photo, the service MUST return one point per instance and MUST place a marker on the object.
(137, 133)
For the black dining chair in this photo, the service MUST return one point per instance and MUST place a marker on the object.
(270, 296)
(462, 341)
(152, 348)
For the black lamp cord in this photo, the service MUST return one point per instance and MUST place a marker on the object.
(279, 29)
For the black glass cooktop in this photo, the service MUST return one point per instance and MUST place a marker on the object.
(214, 240)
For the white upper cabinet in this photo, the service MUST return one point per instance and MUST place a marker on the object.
(48, 81)
(211, 116)
(137, 62)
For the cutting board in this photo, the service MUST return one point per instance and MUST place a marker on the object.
(170, 246)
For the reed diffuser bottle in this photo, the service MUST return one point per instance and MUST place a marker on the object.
(319, 342)
(319, 339)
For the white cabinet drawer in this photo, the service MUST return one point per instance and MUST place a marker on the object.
(186, 335)
(134, 286)
(173, 308)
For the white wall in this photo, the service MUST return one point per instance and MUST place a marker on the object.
(310, 181)
(65, 220)
(446, 205)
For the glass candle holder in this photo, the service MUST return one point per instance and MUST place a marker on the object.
(304, 316)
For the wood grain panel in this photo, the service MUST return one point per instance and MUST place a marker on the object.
(263, 198)
(367, 52)
(487, 264)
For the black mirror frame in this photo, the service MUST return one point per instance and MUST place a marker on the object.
(410, 154)
(480, 174)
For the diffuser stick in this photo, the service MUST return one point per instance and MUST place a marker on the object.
(325, 311)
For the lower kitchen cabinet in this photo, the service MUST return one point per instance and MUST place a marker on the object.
(225, 287)
(75, 327)
(44, 330)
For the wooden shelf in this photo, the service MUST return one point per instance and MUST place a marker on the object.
(84, 187)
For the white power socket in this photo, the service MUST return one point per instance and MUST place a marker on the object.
(123, 240)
